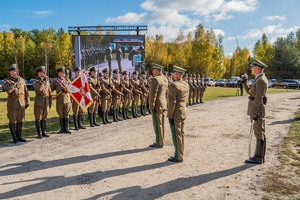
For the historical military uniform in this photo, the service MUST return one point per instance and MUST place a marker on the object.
(145, 92)
(127, 95)
(77, 110)
(17, 102)
(191, 89)
(256, 111)
(158, 105)
(135, 82)
(203, 88)
(42, 102)
(195, 88)
(116, 96)
(178, 94)
(94, 88)
(199, 88)
(106, 87)
(63, 100)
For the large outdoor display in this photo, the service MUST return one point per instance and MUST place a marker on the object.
(123, 52)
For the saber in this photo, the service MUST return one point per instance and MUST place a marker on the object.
(250, 137)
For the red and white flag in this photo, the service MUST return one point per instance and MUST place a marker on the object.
(80, 91)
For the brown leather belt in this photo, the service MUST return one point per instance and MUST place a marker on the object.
(43, 95)
(16, 96)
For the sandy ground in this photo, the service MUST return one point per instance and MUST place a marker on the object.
(115, 162)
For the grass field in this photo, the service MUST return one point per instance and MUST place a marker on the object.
(29, 129)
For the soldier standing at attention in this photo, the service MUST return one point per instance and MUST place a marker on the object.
(42, 101)
(77, 110)
(257, 109)
(93, 84)
(198, 91)
(191, 88)
(195, 88)
(105, 95)
(63, 100)
(203, 88)
(135, 82)
(127, 95)
(17, 102)
(178, 94)
(158, 104)
(145, 92)
(116, 95)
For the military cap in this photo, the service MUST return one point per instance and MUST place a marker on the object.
(156, 66)
(13, 67)
(194, 75)
(92, 69)
(115, 71)
(135, 72)
(41, 69)
(144, 72)
(105, 70)
(178, 69)
(258, 63)
(60, 69)
(76, 69)
(125, 72)
(100, 74)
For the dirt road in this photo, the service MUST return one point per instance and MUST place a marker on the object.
(115, 162)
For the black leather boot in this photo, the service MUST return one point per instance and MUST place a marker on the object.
(19, 132)
(148, 108)
(106, 118)
(142, 111)
(13, 130)
(62, 128)
(134, 112)
(124, 113)
(43, 128)
(75, 118)
(117, 115)
(38, 129)
(127, 115)
(100, 112)
(103, 118)
(91, 120)
(258, 157)
(67, 130)
(94, 120)
(80, 119)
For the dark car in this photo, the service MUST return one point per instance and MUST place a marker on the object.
(29, 84)
(250, 82)
(233, 82)
(221, 83)
(1, 86)
(270, 83)
(288, 83)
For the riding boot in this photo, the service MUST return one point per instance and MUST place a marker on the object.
(142, 111)
(75, 118)
(258, 157)
(19, 132)
(13, 130)
(149, 111)
(124, 113)
(94, 119)
(100, 112)
(190, 102)
(127, 115)
(43, 128)
(117, 115)
(133, 112)
(201, 101)
(62, 128)
(106, 118)
(103, 118)
(193, 101)
(136, 112)
(91, 120)
(67, 130)
(80, 119)
(38, 129)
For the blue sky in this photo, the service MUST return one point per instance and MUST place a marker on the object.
(247, 19)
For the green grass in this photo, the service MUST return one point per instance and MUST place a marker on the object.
(29, 130)
(285, 179)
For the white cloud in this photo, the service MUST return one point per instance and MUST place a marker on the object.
(239, 6)
(222, 16)
(148, 5)
(275, 17)
(129, 18)
(37, 14)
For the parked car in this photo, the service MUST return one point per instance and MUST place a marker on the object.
(1, 86)
(270, 83)
(250, 82)
(233, 82)
(29, 84)
(221, 83)
(209, 81)
(288, 83)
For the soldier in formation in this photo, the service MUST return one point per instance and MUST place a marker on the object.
(95, 89)
(42, 101)
(106, 89)
(117, 93)
(127, 94)
(136, 90)
(145, 91)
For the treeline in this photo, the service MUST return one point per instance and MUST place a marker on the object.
(199, 52)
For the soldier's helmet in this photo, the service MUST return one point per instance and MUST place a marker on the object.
(41, 69)
(144, 73)
(100, 74)
(92, 69)
(13, 67)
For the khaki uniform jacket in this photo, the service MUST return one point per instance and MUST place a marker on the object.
(157, 93)
(144, 86)
(178, 94)
(64, 97)
(93, 85)
(135, 86)
(43, 97)
(257, 93)
(17, 92)
(105, 84)
(126, 86)
(117, 86)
